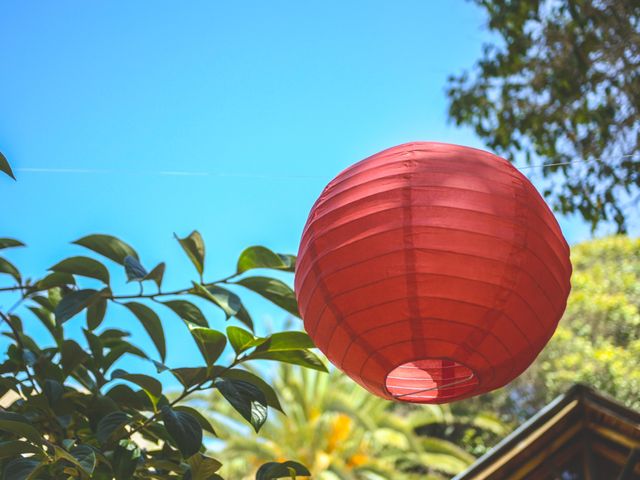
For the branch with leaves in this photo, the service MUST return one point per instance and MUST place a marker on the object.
(69, 411)
(560, 90)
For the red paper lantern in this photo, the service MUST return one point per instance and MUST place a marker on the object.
(431, 272)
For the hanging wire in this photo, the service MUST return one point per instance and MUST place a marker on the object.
(187, 173)
(170, 173)
(437, 387)
(546, 165)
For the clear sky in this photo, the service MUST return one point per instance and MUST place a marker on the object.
(260, 103)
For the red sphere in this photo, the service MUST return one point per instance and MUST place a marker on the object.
(431, 272)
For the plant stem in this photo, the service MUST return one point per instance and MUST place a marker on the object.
(182, 396)
(21, 346)
(14, 288)
(137, 295)
(172, 293)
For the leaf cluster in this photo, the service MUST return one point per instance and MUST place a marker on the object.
(71, 411)
(561, 87)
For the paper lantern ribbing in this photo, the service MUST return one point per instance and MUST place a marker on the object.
(431, 272)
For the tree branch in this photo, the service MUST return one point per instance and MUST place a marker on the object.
(21, 346)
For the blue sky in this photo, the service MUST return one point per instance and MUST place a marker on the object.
(261, 102)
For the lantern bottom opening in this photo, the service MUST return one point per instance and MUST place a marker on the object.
(430, 380)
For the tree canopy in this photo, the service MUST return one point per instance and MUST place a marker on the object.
(561, 87)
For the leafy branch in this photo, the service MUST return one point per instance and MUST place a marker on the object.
(77, 414)
(106, 415)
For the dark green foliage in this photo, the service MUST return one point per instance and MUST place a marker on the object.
(5, 167)
(84, 266)
(202, 468)
(188, 312)
(246, 398)
(261, 257)
(210, 342)
(562, 85)
(193, 245)
(274, 290)
(109, 246)
(74, 414)
(185, 430)
(151, 323)
(272, 470)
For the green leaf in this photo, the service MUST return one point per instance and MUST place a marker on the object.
(269, 392)
(96, 313)
(184, 429)
(55, 280)
(62, 454)
(283, 341)
(47, 320)
(204, 423)
(245, 318)
(5, 167)
(84, 266)
(289, 260)
(72, 356)
(126, 458)
(210, 342)
(304, 358)
(108, 246)
(160, 367)
(247, 399)
(85, 457)
(151, 386)
(157, 274)
(134, 269)
(111, 423)
(124, 396)
(12, 448)
(81, 374)
(290, 469)
(262, 257)
(53, 390)
(8, 268)
(274, 290)
(10, 243)
(228, 301)
(187, 311)
(202, 467)
(193, 245)
(118, 349)
(190, 376)
(151, 322)
(113, 335)
(74, 302)
(19, 425)
(95, 344)
(20, 469)
(240, 339)
(44, 302)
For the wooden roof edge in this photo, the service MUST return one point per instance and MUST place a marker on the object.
(611, 406)
(577, 392)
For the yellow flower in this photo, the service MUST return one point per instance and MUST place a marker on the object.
(340, 429)
(314, 413)
(357, 460)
